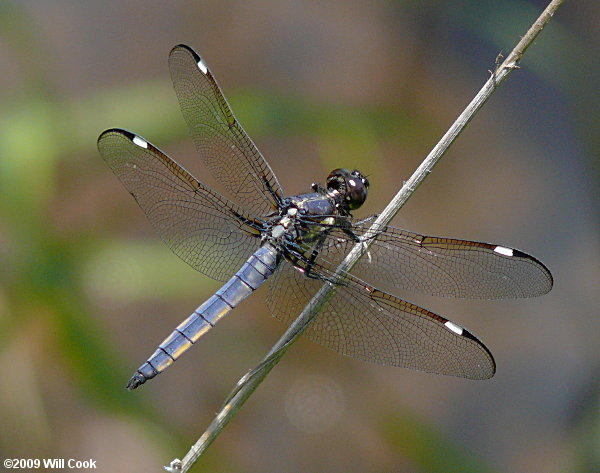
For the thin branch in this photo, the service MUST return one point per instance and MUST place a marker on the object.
(249, 382)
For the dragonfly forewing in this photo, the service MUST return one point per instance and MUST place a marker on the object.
(221, 141)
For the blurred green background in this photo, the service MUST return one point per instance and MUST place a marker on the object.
(87, 290)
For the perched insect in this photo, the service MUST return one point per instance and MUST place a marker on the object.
(297, 242)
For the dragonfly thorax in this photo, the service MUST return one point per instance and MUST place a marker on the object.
(302, 217)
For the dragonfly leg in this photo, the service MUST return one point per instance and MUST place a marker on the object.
(307, 265)
(313, 256)
(346, 226)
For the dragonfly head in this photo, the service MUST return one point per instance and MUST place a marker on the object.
(352, 186)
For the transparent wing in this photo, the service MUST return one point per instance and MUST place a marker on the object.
(368, 324)
(204, 229)
(221, 141)
(441, 266)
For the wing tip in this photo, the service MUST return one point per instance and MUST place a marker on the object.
(112, 133)
(546, 288)
(186, 48)
(118, 131)
(185, 53)
(115, 131)
(483, 372)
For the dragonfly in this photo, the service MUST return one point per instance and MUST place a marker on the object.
(297, 242)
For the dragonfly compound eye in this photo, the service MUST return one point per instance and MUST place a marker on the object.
(352, 185)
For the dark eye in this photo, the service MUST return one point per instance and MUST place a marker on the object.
(352, 186)
(356, 173)
(356, 190)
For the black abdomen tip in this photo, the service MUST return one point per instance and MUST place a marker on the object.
(143, 374)
(135, 381)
